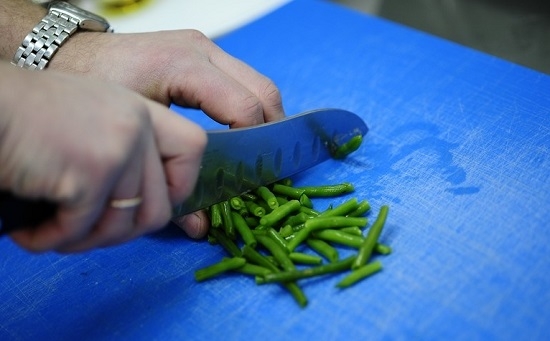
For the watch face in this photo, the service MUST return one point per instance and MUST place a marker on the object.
(87, 20)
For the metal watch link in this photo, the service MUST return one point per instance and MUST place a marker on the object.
(63, 19)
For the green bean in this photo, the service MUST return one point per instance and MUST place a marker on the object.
(304, 258)
(382, 249)
(310, 212)
(219, 268)
(257, 258)
(365, 251)
(280, 213)
(216, 215)
(255, 209)
(267, 196)
(287, 191)
(243, 229)
(271, 233)
(299, 237)
(296, 219)
(342, 209)
(295, 275)
(285, 182)
(251, 221)
(347, 148)
(318, 223)
(249, 197)
(253, 269)
(237, 203)
(324, 249)
(361, 209)
(226, 219)
(353, 230)
(228, 245)
(254, 256)
(327, 190)
(280, 254)
(339, 237)
(285, 231)
(305, 201)
(359, 274)
(282, 200)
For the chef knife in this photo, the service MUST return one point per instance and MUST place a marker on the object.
(235, 161)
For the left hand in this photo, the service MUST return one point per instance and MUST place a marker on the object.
(182, 67)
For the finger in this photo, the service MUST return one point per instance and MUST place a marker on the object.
(195, 225)
(261, 86)
(115, 222)
(181, 144)
(223, 98)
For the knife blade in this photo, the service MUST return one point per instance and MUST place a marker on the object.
(240, 160)
(235, 161)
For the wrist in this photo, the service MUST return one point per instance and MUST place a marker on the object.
(61, 22)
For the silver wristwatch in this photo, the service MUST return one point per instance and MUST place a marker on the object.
(62, 20)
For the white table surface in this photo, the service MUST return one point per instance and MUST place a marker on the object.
(212, 17)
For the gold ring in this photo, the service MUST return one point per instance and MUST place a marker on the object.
(126, 203)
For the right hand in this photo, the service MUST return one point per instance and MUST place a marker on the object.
(81, 143)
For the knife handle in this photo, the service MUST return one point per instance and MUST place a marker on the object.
(17, 212)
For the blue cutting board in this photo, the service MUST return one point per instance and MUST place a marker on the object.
(459, 148)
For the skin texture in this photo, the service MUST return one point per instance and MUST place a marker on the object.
(182, 67)
(98, 142)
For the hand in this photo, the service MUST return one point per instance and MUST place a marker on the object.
(83, 143)
(182, 67)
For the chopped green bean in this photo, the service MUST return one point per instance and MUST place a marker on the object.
(252, 221)
(249, 197)
(324, 249)
(219, 268)
(257, 258)
(347, 148)
(280, 254)
(295, 275)
(285, 182)
(285, 231)
(382, 249)
(253, 269)
(282, 200)
(237, 203)
(242, 227)
(305, 201)
(359, 274)
(310, 212)
(341, 210)
(318, 223)
(287, 191)
(296, 219)
(227, 220)
(271, 233)
(353, 230)
(304, 258)
(228, 245)
(254, 256)
(268, 197)
(255, 209)
(339, 237)
(280, 213)
(365, 251)
(327, 190)
(361, 209)
(216, 215)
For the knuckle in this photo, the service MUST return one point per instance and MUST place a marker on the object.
(270, 93)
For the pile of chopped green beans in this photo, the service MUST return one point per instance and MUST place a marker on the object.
(276, 235)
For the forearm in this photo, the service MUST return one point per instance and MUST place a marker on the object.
(17, 18)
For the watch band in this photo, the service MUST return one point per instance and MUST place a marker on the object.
(39, 46)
